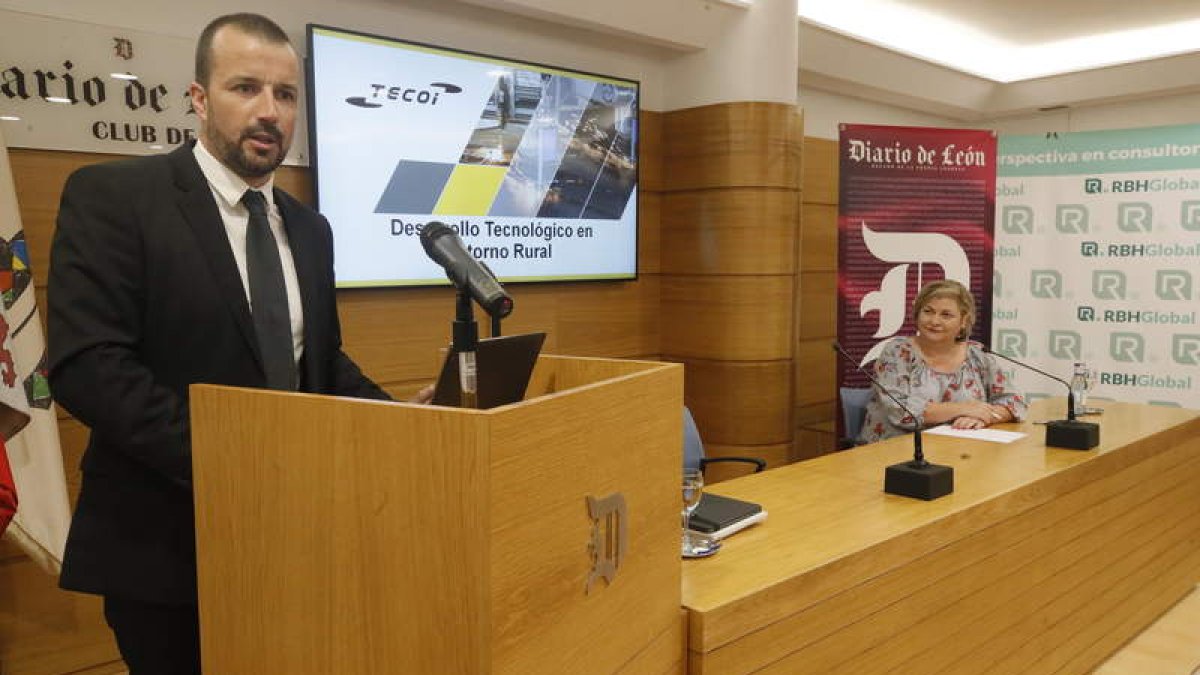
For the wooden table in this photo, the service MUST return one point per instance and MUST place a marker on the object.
(1042, 560)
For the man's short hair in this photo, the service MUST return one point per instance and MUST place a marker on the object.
(252, 24)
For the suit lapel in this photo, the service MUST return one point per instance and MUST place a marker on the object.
(199, 209)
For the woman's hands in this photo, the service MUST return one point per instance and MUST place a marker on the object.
(978, 414)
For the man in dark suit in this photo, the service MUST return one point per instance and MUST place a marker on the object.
(166, 271)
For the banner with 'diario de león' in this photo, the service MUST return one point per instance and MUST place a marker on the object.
(1097, 245)
(915, 205)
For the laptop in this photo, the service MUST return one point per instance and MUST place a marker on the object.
(503, 366)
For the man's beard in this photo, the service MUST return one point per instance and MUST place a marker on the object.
(247, 163)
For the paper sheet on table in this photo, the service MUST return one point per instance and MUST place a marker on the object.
(990, 435)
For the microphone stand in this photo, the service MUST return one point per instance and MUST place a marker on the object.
(1069, 433)
(915, 478)
(496, 316)
(465, 338)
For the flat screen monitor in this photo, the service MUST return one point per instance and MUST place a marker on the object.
(534, 166)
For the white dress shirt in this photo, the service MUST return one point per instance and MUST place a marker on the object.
(228, 188)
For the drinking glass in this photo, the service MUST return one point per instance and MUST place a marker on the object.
(693, 489)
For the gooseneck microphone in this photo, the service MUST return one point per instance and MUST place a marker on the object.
(443, 245)
(918, 454)
(1069, 433)
(916, 478)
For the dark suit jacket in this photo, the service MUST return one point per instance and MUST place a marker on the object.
(144, 300)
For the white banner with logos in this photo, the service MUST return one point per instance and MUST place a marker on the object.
(1097, 244)
(68, 85)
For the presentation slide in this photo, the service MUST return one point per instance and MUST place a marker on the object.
(535, 167)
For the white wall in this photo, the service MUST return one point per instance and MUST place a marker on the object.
(824, 111)
(468, 26)
(440, 22)
(1160, 111)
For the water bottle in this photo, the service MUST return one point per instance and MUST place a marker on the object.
(1079, 387)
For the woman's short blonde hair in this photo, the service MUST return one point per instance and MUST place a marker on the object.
(947, 288)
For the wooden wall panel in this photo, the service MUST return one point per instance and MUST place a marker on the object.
(737, 318)
(813, 441)
(732, 231)
(650, 151)
(818, 302)
(816, 399)
(46, 631)
(740, 402)
(732, 144)
(818, 381)
(730, 244)
(820, 171)
(818, 238)
(650, 205)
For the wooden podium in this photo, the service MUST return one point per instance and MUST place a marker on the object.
(343, 535)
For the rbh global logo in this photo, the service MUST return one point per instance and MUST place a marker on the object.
(382, 93)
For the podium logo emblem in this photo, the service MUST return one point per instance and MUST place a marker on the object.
(610, 537)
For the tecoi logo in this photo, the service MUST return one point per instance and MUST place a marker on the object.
(1173, 285)
(1066, 345)
(382, 93)
(1108, 284)
(1127, 347)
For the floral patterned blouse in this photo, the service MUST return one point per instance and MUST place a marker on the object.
(902, 370)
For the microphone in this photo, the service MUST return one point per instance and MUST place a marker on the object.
(917, 478)
(444, 246)
(1069, 433)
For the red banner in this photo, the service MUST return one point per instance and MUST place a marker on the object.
(914, 205)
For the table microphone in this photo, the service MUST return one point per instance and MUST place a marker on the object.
(1069, 433)
(917, 478)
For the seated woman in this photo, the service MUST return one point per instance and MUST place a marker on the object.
(939, 374)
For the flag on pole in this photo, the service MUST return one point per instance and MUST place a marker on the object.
(28, 423)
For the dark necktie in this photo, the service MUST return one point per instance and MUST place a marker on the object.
(268, 296)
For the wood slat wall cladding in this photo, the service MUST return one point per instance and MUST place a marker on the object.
(730, 214)
(816, 383)
(394, 334)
